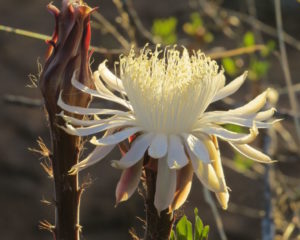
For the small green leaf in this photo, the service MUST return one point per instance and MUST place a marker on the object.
(249, 39)
(229, 66)
(184, 229)
(165, 30)
(270, 47)
(205, 233)
(198, 226)
(208, 37)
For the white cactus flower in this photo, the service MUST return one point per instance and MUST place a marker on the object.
(166, 94)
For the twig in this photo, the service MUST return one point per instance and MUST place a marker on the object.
(285, 65)
(44, 37)
(215, 212)
(236, 52)
(264, 27)
(22, 101)
(134, 18)
(111, 29)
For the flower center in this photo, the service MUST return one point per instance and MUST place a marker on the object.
(169, 91)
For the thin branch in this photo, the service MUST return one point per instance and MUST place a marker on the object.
(236, 51)
(24, 32)
(44, 37)
(264, 27)
(128, 7)
(22, 101)
(215, 212)
(111, 29)
(285, 65)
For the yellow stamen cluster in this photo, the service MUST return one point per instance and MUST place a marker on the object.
(168, 89)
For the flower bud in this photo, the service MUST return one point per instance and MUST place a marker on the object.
(68, 54)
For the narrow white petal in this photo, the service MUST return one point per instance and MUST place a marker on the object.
(176, 154)
(95, 156)
(159, 146)
(197, 147)
(87, 111)
(85, 131)
(223, 197)
(135, 153)
(243, 121)
(226, 135)
(265, 115)
(80, 122)
(206, 174)
(251, 153)
(101, 92)
(112, 80)
(253, 106)
(128, 182)
(165, 185)
(230, 88)
(116, 137)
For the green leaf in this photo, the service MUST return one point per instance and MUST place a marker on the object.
(249, 39)
(258, 69)
(270, 47)
(172, 236)
(184, 229)
(229, 66)
(205, 233)
(198, 226)
(165, 30)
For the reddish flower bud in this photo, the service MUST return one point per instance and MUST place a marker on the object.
(68, 53)
(67, 56)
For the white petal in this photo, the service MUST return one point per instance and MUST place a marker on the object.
(251, 153)
(112, 80)
(230, 88)
(265, 115)
(87, 111)
(128, 182)
(165, 185)
(101, 92)
(223, 197)
(116, 137)
(253, 106)
(95, 156)
(159, 146)
(240, 121)
(176, 154)
(206, 174)
(97, 121)
(197, 147)
(226, 135)
(136, 151)
(85, 131)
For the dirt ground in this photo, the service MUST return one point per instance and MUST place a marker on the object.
(23, 184)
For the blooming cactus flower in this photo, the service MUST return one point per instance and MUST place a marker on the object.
(166, 94)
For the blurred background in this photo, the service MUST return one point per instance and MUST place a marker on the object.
(247, 28)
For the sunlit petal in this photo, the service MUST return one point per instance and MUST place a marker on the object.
(165, 185)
